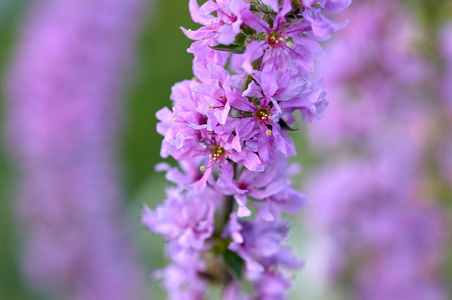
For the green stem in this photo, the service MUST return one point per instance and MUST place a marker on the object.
(228, 208)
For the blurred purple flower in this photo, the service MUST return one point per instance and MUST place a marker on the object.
(381, 70)
(186, 220)
(64, 93)
(393, 239)
(445, 44)
(386, 232)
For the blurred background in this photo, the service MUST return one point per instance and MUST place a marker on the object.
(378, 168)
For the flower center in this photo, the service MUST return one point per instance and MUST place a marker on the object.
(217, 153)
(274, 39)
(262, 114)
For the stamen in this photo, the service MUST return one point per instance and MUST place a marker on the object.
(217, 153)
(274, 39)
(262, 114)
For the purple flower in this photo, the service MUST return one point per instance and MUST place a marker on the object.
(214, 94)
(320, 25)
(263, 246)
(182, 126)
(228, 130)
(185, 219)
(258, 124)
(272, 286)
(283, 43)
(181, 279)
(271, 188)
(233, 292)
(222, 28)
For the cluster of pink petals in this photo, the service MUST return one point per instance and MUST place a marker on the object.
(63, 112)
(228, 130)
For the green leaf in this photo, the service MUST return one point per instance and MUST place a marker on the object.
(235, 262)
(237, 47)
(240, 39)
(232, 48)
(284, 125)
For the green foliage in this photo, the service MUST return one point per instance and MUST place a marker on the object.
(162, 61)
(12, 285)
(237, 47)
(232, 48)
(235, 262)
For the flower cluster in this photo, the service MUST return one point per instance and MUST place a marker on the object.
(228, 130)
(63, 109)
(377, 205)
